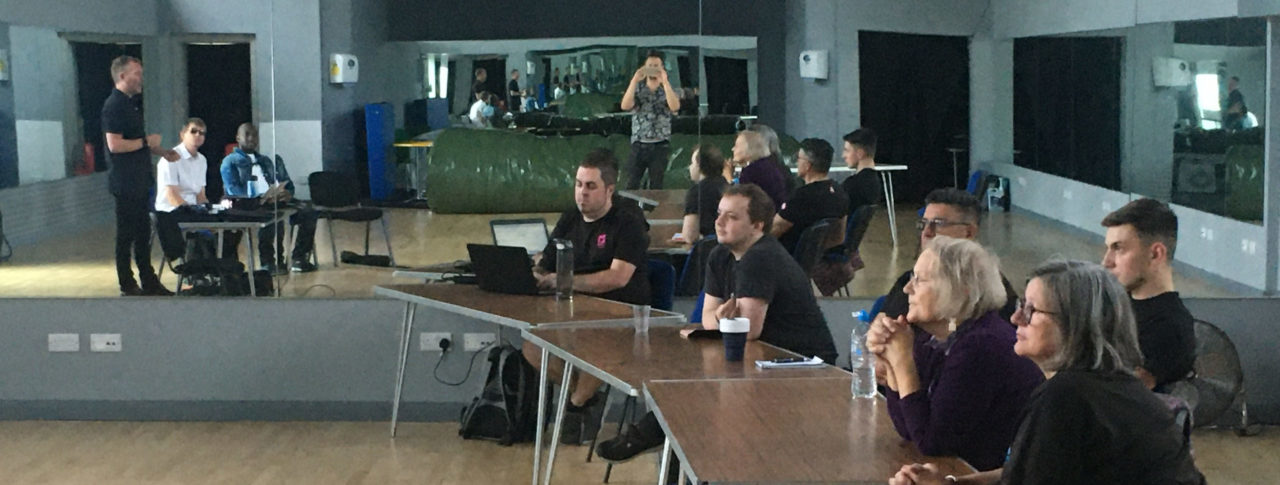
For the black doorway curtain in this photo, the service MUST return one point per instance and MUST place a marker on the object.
(727, 86)
(218, 92)
(914, 91)
(1066, 115)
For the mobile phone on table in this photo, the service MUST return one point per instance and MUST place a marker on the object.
(789, 360)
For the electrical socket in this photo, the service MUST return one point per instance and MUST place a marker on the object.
(430, 341)
(104, 342)
(472, 342)
(64, 342)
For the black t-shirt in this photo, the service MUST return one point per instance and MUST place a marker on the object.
(1096, 427)
(793, 320)
(1167, 336)
(809, 204)
(513, 100)
(703, 199)
(895, 302)
(620, 234)
(131, 175)
(862, 188)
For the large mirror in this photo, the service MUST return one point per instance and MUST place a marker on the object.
(1172, 111)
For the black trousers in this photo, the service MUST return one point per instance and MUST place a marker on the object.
(651, 157)
(271, 236)
(133, 232)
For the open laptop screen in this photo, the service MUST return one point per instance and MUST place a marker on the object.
(530, 234)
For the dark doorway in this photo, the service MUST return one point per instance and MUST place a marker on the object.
(93, 79)
(219, 92)
(496, 82)
(1066, 115)
(727, 89)
(914, 91)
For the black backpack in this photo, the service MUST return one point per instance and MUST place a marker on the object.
(507, 409)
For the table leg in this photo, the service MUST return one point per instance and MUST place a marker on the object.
(542, 415)
(886, 179)
(220, 233)
(406, 332)
(560, 408)
(681, 478)
(666, 461)
(253, 263)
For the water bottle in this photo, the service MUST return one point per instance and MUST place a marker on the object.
(861, 362)
(564, 269)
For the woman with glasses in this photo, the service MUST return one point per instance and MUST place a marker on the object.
(951, 380)
(1093, 421)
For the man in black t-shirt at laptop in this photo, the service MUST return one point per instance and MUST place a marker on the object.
(610, 243)
(749, 275)
(128, 152)
(817, 199)
(1141, 238)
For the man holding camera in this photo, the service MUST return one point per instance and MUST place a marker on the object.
(654, 102)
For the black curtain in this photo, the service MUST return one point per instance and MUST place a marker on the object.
(1066, 115)
(915, 95)
(496, 80)
(93, 78)
(219, 92)
(726, 89)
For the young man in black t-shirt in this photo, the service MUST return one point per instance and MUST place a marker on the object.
(610, 260)
(1141, 238)
(863, 187)
(817, 199)
(128, 152)
(749, 275)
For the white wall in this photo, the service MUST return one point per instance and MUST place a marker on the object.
(45, 105)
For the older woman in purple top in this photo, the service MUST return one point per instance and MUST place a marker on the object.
(951, 379)
(751, 149)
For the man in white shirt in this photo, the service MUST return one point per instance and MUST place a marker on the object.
(481, 110)
(180, 186)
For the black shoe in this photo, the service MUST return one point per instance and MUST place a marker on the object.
(157, 291)
(275, 269)
(302, 266)
(130, 290)
(628, 445)
(581, 423)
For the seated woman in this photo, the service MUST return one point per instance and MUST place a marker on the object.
(707, 171)
(1093, 421)
(751, 152)
(952, 382)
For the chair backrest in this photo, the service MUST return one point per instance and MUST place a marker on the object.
(695, 266)
(976, 182)
(858, 224)
(662, 284)
(333, 189)
(809, 248)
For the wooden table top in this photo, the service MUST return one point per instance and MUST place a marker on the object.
(521, 311)
(626, 361)
(783, 431)
(660, 239)
(670, 205)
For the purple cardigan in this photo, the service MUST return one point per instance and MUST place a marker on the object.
(973, 393)
(763, 173)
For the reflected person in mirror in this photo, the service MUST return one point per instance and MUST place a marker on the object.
(247, 173)
(128, 151)
(650, 96)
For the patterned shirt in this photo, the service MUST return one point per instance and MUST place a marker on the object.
(652, 122)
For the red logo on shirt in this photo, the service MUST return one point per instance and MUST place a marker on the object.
(600, 241)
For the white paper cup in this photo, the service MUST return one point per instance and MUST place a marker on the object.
(735, 325)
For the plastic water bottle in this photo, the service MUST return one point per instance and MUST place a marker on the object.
(564, 269)
(861, 362)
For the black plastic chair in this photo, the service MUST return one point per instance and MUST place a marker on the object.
(813, 241)
(855, 231)
(695, 266)
(662, 284)
(337, 197)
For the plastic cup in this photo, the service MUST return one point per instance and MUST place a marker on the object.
(640, 318)
(734, 332)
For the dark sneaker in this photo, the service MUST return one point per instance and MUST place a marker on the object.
(275, 269)
(628, 445)
(302, 266)
(581, 423)
(157, 291)
(130, 291)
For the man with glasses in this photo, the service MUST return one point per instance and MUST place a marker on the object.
(817, 199)
(947, 212)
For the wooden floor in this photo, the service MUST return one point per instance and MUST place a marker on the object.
(82, 265)
(51, 452)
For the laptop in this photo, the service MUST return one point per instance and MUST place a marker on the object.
(504, 269)
(530, 234)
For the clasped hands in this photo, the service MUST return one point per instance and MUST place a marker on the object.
(890, 340)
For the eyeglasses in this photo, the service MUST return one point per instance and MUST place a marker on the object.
(1026, 310)
(197, 132)
(937, 224)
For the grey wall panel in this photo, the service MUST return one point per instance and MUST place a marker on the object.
(34, 212)
(117, 16)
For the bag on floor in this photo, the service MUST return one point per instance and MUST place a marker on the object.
(507, 409)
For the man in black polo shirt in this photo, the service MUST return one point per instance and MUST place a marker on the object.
(610, 244)
(129, 151)
(749, 275)
(1141, 238)
(817, 199)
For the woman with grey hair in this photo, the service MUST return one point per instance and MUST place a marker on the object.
(1093, 421)
(951, 379)
(771, 140)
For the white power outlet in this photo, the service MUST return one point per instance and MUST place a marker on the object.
(64, 342)
(1106, 206)
(104, 342)
(1066, 194)
(430, 341)
(472, 342)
